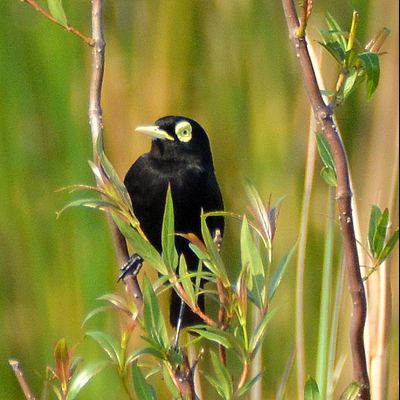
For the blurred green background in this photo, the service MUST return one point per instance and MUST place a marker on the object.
(228, 65)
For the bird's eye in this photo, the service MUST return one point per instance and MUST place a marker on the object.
(183, 131)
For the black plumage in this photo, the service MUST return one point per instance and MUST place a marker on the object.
(181, 156)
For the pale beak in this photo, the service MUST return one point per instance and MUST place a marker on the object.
(154, 132)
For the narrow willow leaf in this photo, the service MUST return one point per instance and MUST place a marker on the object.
(152, 316)
(144, 350)
(349, 82)
(374, 217)
(91, 203)
(143, 389)
(327, 93)
(83, 377)
(95, 312)
(213, 382)
(223, 377)
(380, 233)
(277, 278)
(186, 280)
(351, 392)
(171, 385)
(372, 69)
(335, 50)
(111, 174)
(213, 251)
(251, 259)
(388, 247)
(249, 384)
(57, 11)
(329, 176)
(170, 254)
(141, 245)
(259, 332)
(325, 151)
(222, 338)
(328, 160)
(311, 391)
(334, 26)
(351, 59)
(109, 345)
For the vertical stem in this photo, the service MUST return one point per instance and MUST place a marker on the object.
(323, 115)
(96, 128)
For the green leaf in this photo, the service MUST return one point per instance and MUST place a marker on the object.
(374, 217)
(277, 278)
(349, 82)
(251, 259)
(213, 251)
(372, 69)
(259, 332)
(100, 204)
(169, 382)
(388, 247)
(351, 59)
(221, 337)
(109, 344)
(144, 350)
(170, 254)
(335, 50)
(329, 176)
(111, 174)
(57, 11)
(83, 377)
(311, 391)
(225, 387)
(329, 172)
(141, 245)
(153, 319)
(380, 233)
(185, 279)
(143, 390)
(249, 384)
(351, 392)
(335, 27)
(352, 82)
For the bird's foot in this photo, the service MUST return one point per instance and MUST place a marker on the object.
(132, 266)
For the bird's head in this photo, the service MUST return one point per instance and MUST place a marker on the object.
(178, 138)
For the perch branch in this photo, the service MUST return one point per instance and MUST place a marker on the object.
(16, 366)
(96, 128)
(324, 117)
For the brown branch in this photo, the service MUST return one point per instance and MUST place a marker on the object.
(324, 116)
(68, 27)
(96, 128)
(16, 366)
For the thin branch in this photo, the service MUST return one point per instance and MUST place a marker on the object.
(68, 27)
(96, 128)
(16, 366)
(324, 116)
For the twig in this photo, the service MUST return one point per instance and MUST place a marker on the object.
(96, 128)
(68, 27)
(16, 366)
(324, 116)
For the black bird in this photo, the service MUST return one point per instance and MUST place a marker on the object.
(181, 156)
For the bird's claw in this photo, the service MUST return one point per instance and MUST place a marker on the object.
(132, 266)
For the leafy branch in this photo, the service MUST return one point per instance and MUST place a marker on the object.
(356, 66)
(58, 16)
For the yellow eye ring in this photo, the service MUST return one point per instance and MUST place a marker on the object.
(183, 131)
